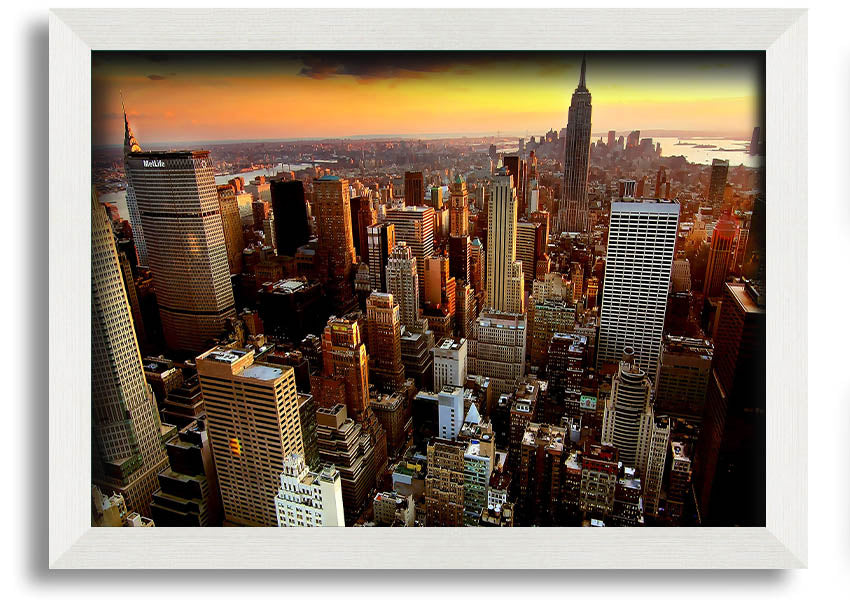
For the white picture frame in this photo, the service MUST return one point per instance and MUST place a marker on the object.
(75, 33)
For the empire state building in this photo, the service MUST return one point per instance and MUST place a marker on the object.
(572, 215)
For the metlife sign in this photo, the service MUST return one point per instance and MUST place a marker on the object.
(154, 163)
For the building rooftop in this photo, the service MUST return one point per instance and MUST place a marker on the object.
(262, 372)
(222, 355)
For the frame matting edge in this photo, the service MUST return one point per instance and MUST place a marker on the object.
(74, 544)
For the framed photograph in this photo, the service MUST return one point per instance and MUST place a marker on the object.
(341, 280)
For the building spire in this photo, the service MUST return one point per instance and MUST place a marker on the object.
(581, 83)
(130, 143)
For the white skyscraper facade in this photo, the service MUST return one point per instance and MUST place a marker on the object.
(641, 242)
(308, 499)
(450, 366)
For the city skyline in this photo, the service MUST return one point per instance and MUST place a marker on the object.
(429, 334)
(176, 98)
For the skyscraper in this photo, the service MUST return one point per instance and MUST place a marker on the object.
(730, 461)
(403, 284)
(130, 146)
(384, 323)
(292, 225)
(344, 358)
(627, 423)
(253, 421)
(176, 198)
(497, 350)
(381, 241)
(415, 225)
(717, 185)
(459, 209)
(572, 215)
(127, 453)
(234, 239)
(720, 255)
(335, 254)
(505, 285)
(414, 188)
(641, 240)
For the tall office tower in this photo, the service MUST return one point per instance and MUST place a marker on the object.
(344, 444)
(477, 267)
(175, 195)
(459, 209)
(627, 422)
(546, 317)
(497, 350)
(755, 142)
(384, 323)
(132, 298)
(641, 239)
(127, 453)
(576, 282)
(307, 416)
(440, 292)
(335, 254)
(269, 231)
(682, 380)
(132, 146)
(611, 139)
(680, 275)
(306, 498)
(633, 139)
(261, 211)
(292, 227)
(572, 215)
(465, 311)
(253, 421)
(460, 254)
(541, 474)
(414, 188)
(366, 218)
(444, 498)
(599, 474)
(720, 256)
(567, 360)
(660, 182)
(450, 366)
(344, 358)
(355, 204)
(414, 225)
(518, 170)
(188, 493)
(504, 292)
(730, 460)
(403, 284)
(234, 240)
(530, 244)
(381, 241)
(717, 184)
(656, 460)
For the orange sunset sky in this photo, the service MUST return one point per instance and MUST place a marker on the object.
(182, 97)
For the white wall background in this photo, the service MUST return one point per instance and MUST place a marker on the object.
(24, 308)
